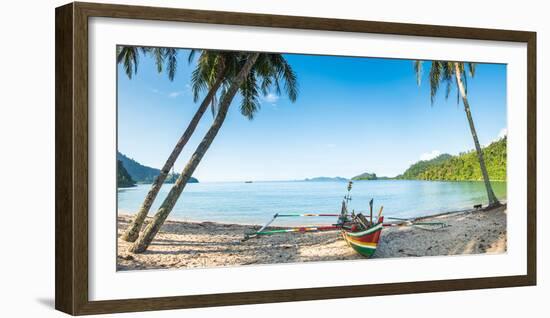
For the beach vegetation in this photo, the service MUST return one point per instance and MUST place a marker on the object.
(123, 178)
(462, 167)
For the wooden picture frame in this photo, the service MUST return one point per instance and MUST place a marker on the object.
(71, 89)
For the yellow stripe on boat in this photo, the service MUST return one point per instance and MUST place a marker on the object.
(369, 231)
(357, 242)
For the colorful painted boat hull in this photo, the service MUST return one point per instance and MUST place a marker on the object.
(364, 242)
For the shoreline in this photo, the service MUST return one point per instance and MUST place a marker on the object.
(341, 181)
(127, 214)
(196, 244)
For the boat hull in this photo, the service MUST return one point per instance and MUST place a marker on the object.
(364, 242)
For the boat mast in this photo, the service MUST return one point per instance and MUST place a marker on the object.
(347, 198)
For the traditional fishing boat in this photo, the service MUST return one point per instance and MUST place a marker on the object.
(362, 233)
(365, 242)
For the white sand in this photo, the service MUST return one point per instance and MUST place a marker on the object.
(207, 244)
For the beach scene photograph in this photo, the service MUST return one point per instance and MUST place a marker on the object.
(237, 158)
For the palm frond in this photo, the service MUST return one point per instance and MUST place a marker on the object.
(287, 74)
(446, 72)
(170, 54)
(191, 56)
(448, 77)
(435, 79)
(249, 92)
(198, 84)
(158, 54)
(129, 57)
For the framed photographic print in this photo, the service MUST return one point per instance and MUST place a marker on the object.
(218, 158)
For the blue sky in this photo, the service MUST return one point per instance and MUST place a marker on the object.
(352, 115)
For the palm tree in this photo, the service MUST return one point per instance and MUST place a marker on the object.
(449, 72)
(129, 56)
(258, 73)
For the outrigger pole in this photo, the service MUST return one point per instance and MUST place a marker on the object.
(262, 231)
(413, 222)
(300, 229)
(305, 215)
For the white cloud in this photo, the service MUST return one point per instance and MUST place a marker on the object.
(503, 133)
(430, 155)
(175, 94)
(271, 98)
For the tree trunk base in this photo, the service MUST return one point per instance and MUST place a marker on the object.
(129, 237)
(493, 205)
(136, 249)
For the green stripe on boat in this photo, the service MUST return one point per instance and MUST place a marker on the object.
(363, 250)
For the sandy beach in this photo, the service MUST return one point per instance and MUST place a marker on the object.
(207, 244)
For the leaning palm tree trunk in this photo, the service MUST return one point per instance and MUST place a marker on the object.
(152, 228)
(493, 201)
(132, 232)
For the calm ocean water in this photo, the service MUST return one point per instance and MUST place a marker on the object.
(255, 203)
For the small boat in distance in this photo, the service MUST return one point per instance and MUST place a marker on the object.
(248, 182)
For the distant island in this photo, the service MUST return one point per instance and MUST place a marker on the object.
(325, 179)
(369, 176)
(143, 174)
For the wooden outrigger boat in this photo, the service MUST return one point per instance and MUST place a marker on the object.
(362, 233)
(365, 242)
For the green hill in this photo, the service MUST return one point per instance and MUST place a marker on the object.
(463, 167)
(144, 174)
(365, 176)
(416, 169)
(123, 179)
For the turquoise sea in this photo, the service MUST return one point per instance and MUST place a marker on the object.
(255, 203)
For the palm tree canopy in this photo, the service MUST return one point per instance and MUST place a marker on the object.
(444, 72)
(266, 75)
(129, 57)
(271, 72)
(164, 58)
